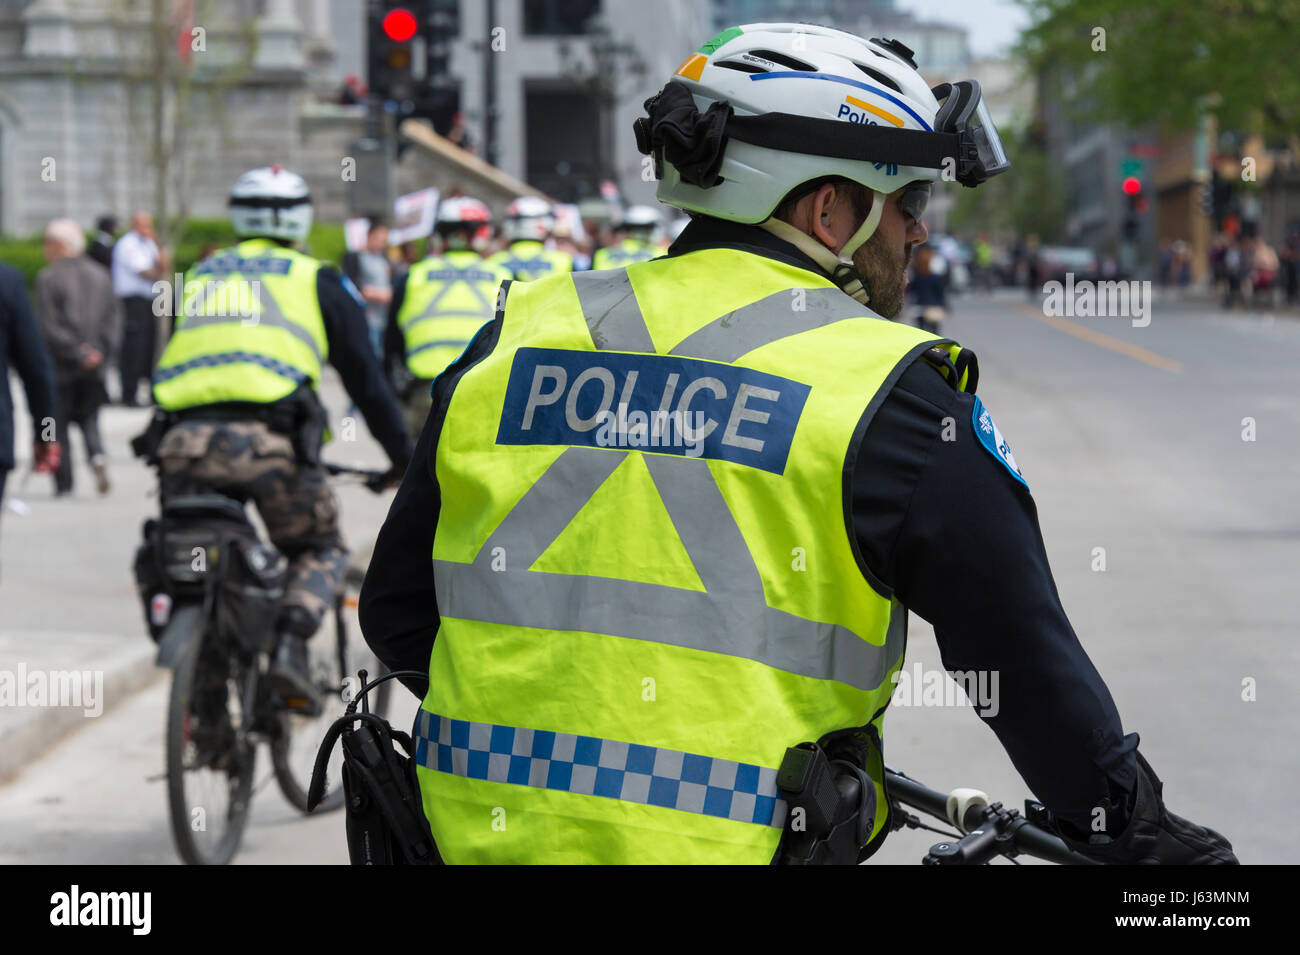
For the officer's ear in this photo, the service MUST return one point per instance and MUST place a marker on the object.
(823, 213)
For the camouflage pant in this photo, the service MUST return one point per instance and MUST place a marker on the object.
(248, 461)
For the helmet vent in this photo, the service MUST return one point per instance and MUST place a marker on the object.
(742, 67)
(785, 60)
(879, 77)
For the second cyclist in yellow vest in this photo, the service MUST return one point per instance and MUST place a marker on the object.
(441, 303)
(257, 323)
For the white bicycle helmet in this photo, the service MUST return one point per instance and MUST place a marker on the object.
(639, 218)
(271, 202)
(528, 217)
(461, 212)
(764, 108)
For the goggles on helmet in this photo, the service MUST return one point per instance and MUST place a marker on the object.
(964, 114)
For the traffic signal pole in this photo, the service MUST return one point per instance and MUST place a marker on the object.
(490, 148)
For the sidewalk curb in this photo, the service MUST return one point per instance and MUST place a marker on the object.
(42, 728)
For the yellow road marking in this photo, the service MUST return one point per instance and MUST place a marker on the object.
(860, 104)
(1095, 337)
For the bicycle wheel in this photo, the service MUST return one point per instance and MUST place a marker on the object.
(334, 656)
(210, 763)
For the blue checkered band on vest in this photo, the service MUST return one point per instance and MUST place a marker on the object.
(600, 767)
(230, 358)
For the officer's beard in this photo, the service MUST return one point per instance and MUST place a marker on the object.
(883, 267)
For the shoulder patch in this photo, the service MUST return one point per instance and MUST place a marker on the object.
(993, 441)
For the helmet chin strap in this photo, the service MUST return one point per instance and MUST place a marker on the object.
(839, 267)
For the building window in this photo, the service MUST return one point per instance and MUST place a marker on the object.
(558, 17)
(562, 141)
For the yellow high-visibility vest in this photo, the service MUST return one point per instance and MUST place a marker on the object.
(646, 583)
(249, 329)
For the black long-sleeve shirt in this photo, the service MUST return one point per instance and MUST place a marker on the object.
(942, 523)
(348, 335)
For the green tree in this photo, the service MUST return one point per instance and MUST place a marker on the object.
(1161, 61)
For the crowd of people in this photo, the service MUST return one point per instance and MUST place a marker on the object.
(423, 309)
(1246, 270)
(93, 308)
(95, 302)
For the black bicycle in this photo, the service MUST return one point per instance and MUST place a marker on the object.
(985, 831)
(212, 589)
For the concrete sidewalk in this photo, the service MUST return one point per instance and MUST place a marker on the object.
(51, 682)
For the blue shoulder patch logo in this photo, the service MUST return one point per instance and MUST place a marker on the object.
(993, 440)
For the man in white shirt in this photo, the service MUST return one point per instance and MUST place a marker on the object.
(137, 263)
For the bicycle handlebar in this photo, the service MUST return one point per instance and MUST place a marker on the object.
(374, 481)
(991, 830)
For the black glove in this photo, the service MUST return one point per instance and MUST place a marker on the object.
(1154, 835)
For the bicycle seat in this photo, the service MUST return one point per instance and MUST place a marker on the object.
(198, 507)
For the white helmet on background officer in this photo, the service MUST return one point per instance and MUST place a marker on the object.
(638, 221)
(463, 222)
(271, 202)
(529, 217)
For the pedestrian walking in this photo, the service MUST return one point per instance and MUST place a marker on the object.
(137, 263)
(79, 318)
(372, 274)
(20, 343)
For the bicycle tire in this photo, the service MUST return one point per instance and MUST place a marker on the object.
(293, 750)
(181, 742)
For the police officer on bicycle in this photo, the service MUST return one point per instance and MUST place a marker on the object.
(682, 508)
(238, 380)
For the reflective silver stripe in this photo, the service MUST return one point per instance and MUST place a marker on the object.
(270, 314)
(431, 310)
(770, 319)
(612, 312)
(732, 617)
(548, 506)
(709, 533)
(667, 615)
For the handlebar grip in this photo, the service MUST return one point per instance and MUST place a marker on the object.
(960, 804)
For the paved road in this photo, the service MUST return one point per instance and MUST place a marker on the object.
(1131, 439)
(1126, 451)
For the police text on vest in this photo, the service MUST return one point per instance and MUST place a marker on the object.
(663, 403)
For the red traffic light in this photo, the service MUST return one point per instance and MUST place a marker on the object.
(1132, 185)
(399, 25)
